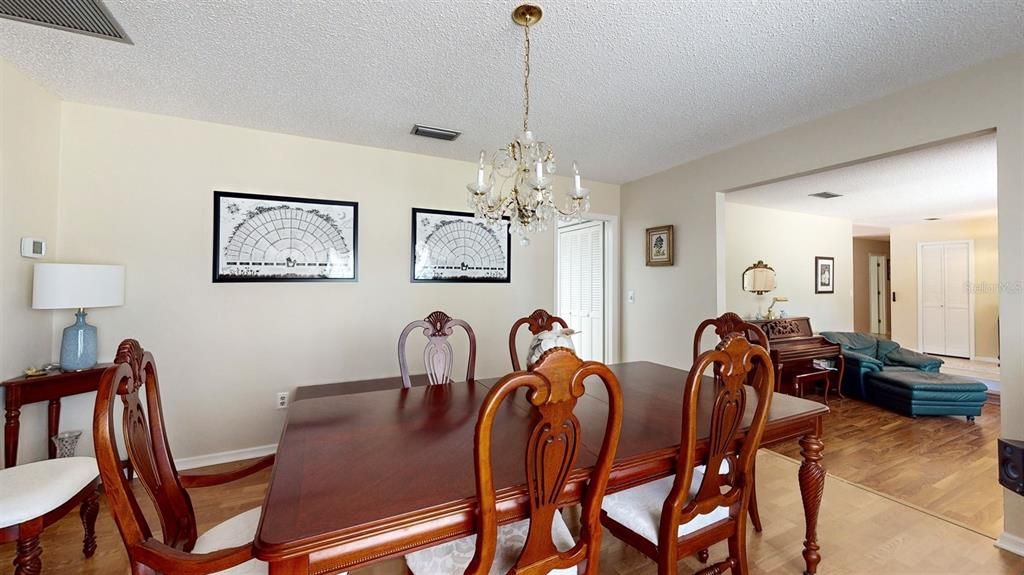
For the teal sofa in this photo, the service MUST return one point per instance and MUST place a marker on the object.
(866, 354)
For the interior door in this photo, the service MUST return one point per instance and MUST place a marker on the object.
(944, 298)
(879, 293)
(932, 299)
(956, 263)
(581, 285)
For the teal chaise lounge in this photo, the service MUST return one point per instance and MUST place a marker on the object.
(883, 373)
(867, 354)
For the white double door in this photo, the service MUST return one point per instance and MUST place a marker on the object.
(581, 286)
(946, 305)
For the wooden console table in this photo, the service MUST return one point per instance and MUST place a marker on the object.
(50, 387)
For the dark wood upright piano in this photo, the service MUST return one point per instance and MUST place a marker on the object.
(794, 347)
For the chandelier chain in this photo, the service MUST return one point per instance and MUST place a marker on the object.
(526, 79)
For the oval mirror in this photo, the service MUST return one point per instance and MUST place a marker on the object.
(759, 278)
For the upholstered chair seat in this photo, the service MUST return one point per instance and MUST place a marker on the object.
(34, 496)
(453, 558)
(238, 530)
(31, 490)
(639, 508)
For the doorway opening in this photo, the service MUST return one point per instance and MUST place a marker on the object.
(878, 293)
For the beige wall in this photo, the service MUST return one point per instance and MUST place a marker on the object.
(137, 189)
(984, 232)
(670, 302)
(29, 155)
(862, 249)
(795, 240)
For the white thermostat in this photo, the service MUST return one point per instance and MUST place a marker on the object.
(33, 247)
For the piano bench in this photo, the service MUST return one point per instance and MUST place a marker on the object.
(805, 378)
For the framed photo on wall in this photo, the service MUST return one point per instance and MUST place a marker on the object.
(660, 246)
(259, 238)
(457, 247)
(824, 274)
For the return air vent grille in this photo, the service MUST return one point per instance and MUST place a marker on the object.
(436, 133)
(825, 195)
(82, 16)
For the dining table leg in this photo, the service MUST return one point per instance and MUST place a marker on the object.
(812, 487)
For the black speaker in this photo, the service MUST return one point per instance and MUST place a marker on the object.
(1011, 465)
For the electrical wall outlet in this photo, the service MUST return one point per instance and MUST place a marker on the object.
(631, 296)
(282, 400)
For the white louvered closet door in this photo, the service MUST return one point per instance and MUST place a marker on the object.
(581, 286)
(945, 309)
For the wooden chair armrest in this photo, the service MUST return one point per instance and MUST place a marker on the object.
(165, 559)
(208, 479)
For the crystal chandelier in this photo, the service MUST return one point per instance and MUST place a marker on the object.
(525, 167)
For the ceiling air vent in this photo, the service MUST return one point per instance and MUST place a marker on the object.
(88, 17)
(825, 195)
(430, 131)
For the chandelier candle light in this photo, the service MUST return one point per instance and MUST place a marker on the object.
(525, 167)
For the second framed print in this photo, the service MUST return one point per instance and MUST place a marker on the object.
(824, 274)
(457, 247)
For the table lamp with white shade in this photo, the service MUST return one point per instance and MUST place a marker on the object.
(77, 286)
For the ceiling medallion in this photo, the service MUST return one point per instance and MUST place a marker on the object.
(525, 166)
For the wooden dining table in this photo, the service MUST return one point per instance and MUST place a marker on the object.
(368, 471)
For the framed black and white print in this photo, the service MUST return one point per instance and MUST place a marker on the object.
(824, 274)
(259, 238)
(457, 247)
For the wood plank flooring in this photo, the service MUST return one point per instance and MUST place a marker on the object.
(860, 533)
(943, 464)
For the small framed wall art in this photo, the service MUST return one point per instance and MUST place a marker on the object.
(824, 274)
(260, 238)
(660, 246)
(457, 247)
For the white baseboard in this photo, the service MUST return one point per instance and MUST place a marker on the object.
(986, 359)
(224, 457)
(1011, 543)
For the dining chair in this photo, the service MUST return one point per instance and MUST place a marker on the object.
(541, 543)
(686, 513)
(538, 321)
(35, 495)
(437, 355)
(725, 324)
(179, 549)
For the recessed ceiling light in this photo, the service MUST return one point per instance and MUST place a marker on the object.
(931, 219)
(436, 133)
(825, 195)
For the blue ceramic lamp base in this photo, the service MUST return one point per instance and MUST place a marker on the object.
(78, 347)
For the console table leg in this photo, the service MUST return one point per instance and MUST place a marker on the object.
(812, 487)
(52, 427)
(11, 426)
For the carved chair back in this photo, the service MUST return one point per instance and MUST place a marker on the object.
(744, 373)
(538, 321)
(437, 355)
(145, 441)
(726, 324)
(554, 385)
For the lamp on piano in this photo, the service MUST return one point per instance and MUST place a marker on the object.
(775, 300)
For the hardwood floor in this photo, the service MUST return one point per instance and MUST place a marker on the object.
(860, 532)
(942, 464)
